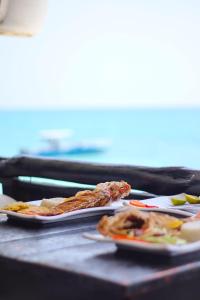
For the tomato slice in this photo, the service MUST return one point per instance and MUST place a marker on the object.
(142, 205)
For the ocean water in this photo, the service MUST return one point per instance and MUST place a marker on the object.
(151, 137)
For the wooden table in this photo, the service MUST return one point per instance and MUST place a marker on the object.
(59, 263)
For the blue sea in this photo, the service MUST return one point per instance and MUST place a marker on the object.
(151, 137)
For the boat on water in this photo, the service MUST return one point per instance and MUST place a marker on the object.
(58, 144)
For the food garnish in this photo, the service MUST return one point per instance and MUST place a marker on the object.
(183, 198)
(192, 199)
(166, 239)
(138, 203)
(190, 231)
(175, 223)
(129, 238)
(177, 201)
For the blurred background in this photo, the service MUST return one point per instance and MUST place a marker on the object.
(121, 76)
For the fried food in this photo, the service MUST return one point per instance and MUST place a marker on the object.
(102, 195)
(134, 224)
(16, 206)
(34, 210)
(126, 222)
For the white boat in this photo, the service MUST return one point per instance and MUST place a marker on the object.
(58, 145)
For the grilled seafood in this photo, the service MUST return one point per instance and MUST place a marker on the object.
(34, 210)
(102, 195)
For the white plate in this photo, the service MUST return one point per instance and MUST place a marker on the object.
(161, 249)
(78, 214)
(165, 202)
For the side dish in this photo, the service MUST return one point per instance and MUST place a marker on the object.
(102, 195)
(150, 227)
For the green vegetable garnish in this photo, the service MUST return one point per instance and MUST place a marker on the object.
(166, 239)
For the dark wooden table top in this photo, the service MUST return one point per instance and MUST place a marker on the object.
(57, 262)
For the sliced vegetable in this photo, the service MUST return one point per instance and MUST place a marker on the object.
(178, 201)
(192, 199)
(165, 239)
(141, 204)
(129, 238)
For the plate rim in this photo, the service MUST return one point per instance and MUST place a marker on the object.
(80, 213)
(166, 249)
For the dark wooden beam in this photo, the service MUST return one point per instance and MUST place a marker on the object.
(166, 180)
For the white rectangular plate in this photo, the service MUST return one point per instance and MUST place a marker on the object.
(168, 250)
(164, 202)
(165, 206)
(77, 214)
(162, 249)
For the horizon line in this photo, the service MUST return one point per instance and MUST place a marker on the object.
(117, 107)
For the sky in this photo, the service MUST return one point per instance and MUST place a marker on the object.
(108, 53)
